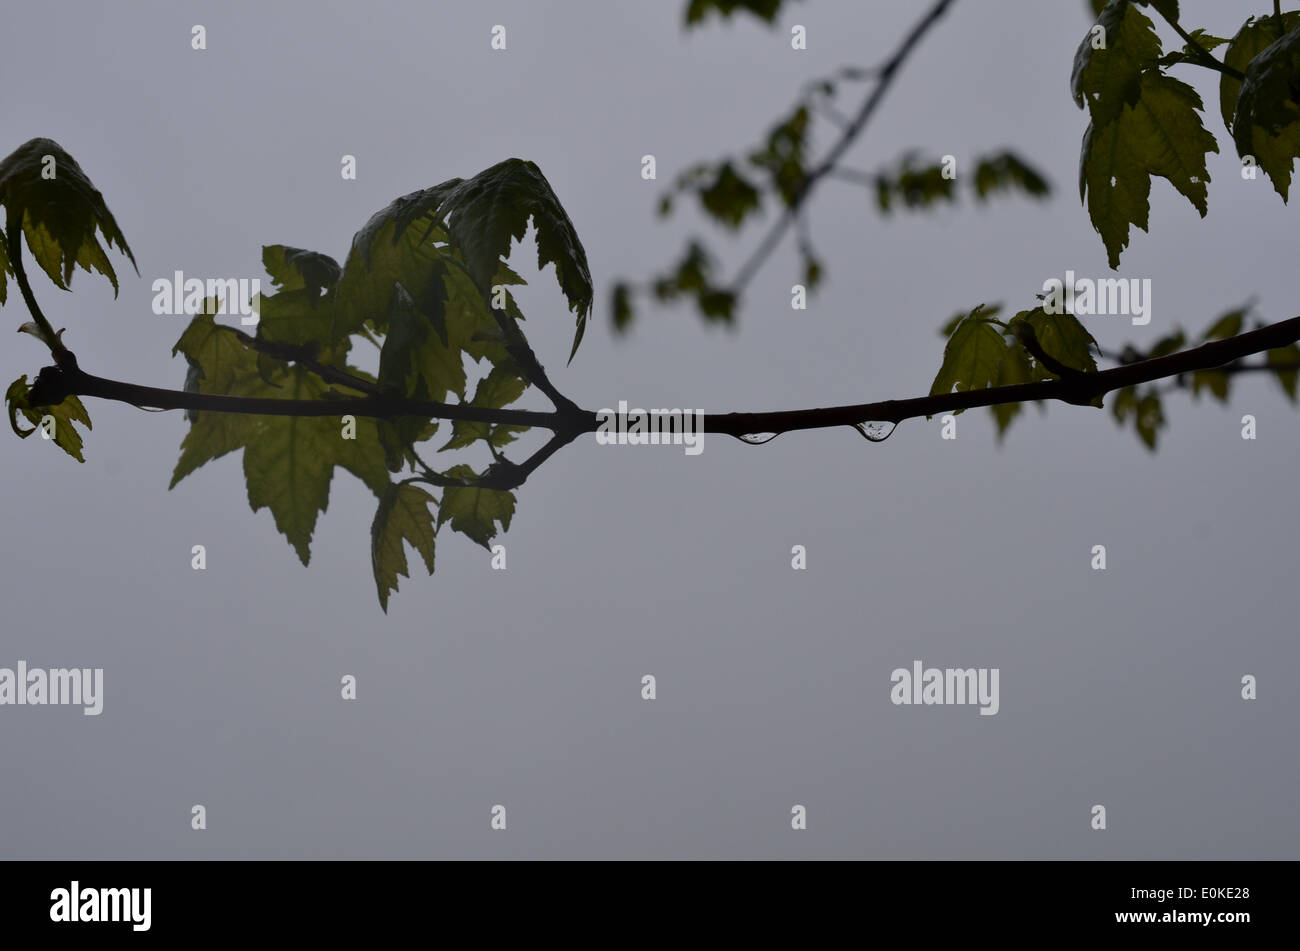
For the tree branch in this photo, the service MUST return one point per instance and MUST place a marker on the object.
(1089, 386)
(53, 384)
(884, 78)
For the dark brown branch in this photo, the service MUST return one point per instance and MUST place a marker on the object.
(55, 383)
(1077, 390)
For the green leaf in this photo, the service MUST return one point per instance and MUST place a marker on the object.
(1005, 171)
(288, 460)
(1016, 367)
(59, 215)
(407, 330)
(421, 365)
(1192, 54)
(1216, 381)
(693, 277)
(1263, 112)
(698, 10)
(782, 156)
(812, 271)
(388, 251)
(1144, 409)
(1124, 403)
(884, 194)
(302, 318)
(1167, 8)
(217, 358)
(472, 321)
(1109, 78)
(946, 330)
(973, 356)
(210, 436)
(398, 437)
(1288, 357)
(474, 512)
(487, 212)
(1063, 337)
(916, 186)
(1171, 138)
(621, 306)
(1149, 417)
(1116, 189)
(413, 354)
(1268, 96)
(402, 516)
(498, 389)
(729, 198)
(4, 265)
(70, 410)
(1161, 135)
(16, 398)
(1167, 345)
(717, 305)
(295, 269)
(217, 350)
(1206, 41)
(1229, 325)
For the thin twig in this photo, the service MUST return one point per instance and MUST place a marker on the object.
(305, 357)
(884, 78)
(854, 175)
(50, 338)
(1206, 57)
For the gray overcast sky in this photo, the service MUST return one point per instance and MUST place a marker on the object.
(522, 687)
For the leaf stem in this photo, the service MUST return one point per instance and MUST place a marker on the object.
(51, 339)
(305, 357)
(1207, 58)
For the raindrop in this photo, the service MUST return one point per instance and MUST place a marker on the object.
(876, 431)
(757, 439)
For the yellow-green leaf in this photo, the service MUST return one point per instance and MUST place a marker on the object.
(472, 511)
(61, 417)
(44, 191)
(402, 516)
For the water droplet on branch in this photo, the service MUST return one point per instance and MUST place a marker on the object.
(757, 439)
(876, 431)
